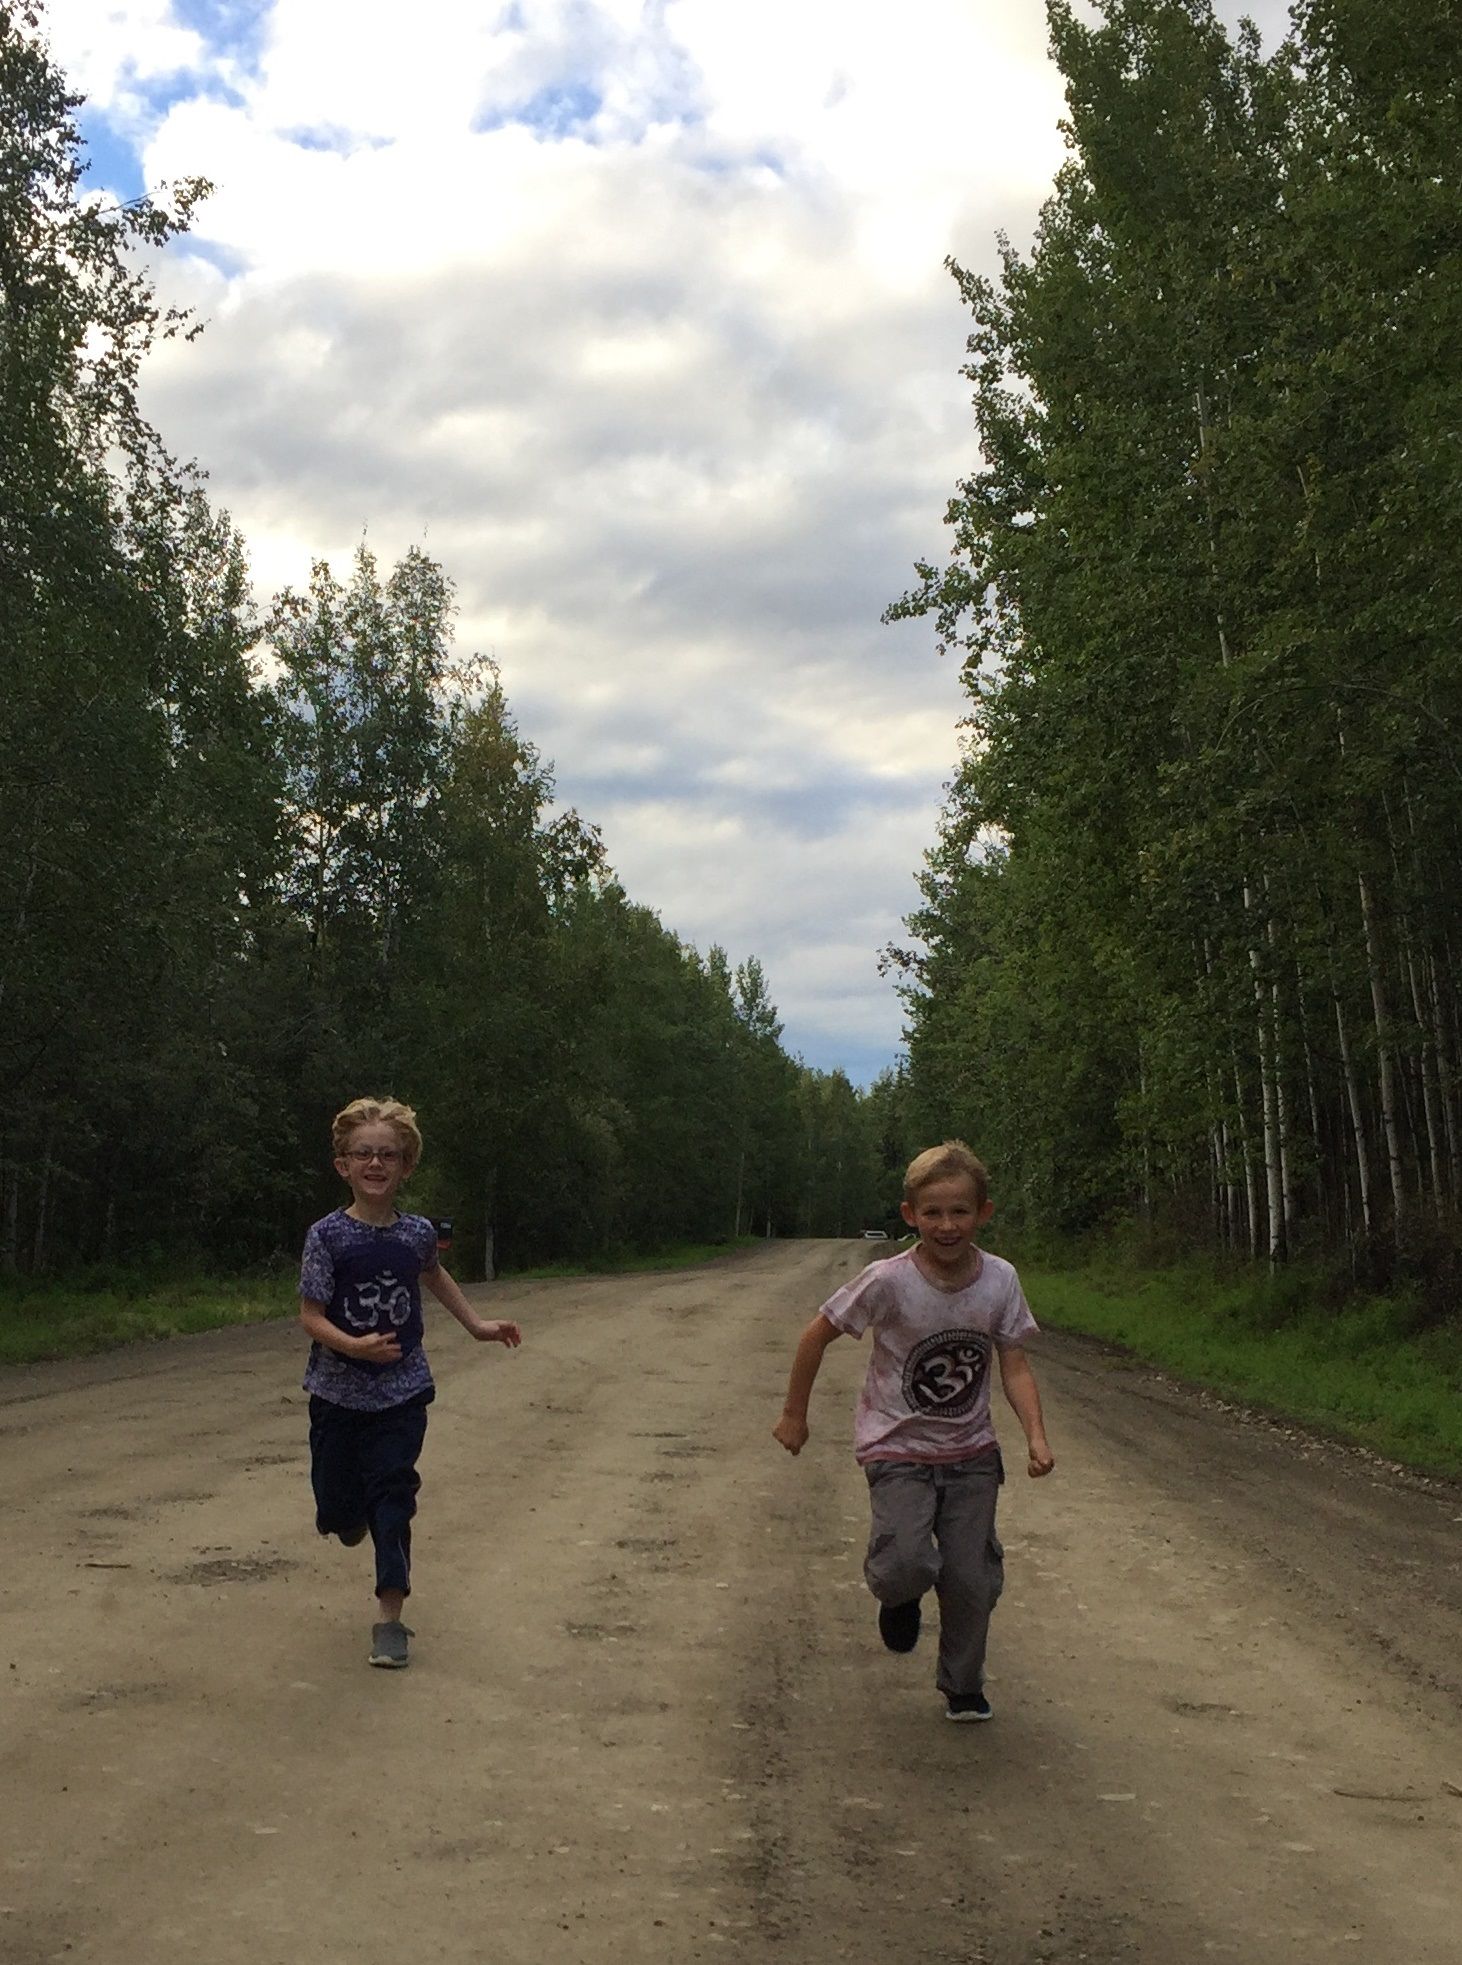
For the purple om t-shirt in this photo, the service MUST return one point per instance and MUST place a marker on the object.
(926, 1395)
(368, 1279)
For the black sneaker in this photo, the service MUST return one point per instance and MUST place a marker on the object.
(964, 1706)
(353, 1537)
(898, 1624)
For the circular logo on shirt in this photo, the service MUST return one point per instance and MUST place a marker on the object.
(944, 1374)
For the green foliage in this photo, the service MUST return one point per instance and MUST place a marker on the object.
(74, 1320)
(1360, 1368)
(252, 869)
(1188, 931)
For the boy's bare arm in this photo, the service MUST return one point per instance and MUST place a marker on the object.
(376, 1347)
(791, 1429)
(1018, 1382)
(487, 1330)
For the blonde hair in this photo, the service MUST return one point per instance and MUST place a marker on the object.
(946, 1162)
(371, 1111)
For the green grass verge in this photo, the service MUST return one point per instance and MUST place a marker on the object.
(684, 1255)
(71, 1321)
(1367, 1369)
(102, 1311)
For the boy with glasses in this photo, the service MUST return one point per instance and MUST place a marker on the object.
(368, 1378)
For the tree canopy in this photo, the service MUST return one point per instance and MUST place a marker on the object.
(1188, 930)
(259, 860)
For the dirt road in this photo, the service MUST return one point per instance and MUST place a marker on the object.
(648, 1718)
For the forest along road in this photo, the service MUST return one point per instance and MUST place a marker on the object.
(648, 1717)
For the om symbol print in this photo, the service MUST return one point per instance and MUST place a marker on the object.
(384, 1294)
(944, 1374)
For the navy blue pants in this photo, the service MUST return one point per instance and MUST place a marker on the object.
(363, 1467)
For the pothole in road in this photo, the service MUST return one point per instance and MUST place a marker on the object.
(602, 1633)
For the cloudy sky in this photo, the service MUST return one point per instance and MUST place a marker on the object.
(633, 312)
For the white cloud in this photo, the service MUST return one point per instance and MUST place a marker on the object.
(636, 315)
(108, 52)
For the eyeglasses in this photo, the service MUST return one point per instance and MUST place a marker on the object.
(363, 1155)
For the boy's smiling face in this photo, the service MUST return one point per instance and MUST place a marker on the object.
(947, 1214)
(374, 1162)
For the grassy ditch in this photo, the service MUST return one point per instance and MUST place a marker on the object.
(621, 1262)
(1372, 1369)
(105, 1309)
(71, 1320)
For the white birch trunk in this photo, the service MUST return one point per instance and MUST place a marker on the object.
(1390, 1120)
(1269, 1103)
(1446, 1073)
(1430, 1100)
(1251, 1185)
(1357, 1112)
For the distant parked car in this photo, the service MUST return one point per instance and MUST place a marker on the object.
(875, 1234)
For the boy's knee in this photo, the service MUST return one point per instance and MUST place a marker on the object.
(895, 1574)
(976, 1583)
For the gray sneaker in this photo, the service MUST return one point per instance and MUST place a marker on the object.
(388, 1646)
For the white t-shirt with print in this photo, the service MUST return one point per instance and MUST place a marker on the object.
(926, 1395)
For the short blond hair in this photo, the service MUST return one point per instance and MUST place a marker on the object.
(371, 1111)
(945, 1162)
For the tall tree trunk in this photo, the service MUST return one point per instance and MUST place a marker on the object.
(1447, 1075)
(1390, 1117)
(489, 1227)
(1312, 1089)
(1436, 1177)
(10, 1219)
(1430, 1094)
(1357, 1113)
(1269, 1102)
(43, 1197)
(1281, 1086)
(1251, 1185)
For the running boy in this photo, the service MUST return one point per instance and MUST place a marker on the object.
(922, 1431)
(368, 1379)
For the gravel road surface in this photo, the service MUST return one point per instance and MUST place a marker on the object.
(648, 1720)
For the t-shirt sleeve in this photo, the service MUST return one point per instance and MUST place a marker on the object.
(853, 1308)
(1015, 1323)
(317, 1270)
(426, 1243)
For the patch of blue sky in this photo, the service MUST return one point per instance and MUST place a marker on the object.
(223, 259)
(563, 109)
(330, 137)
(159, 93)
(725, 163)
(111, 163)
(859, 1059)
(233, 29)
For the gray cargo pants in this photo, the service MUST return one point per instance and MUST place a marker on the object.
(934, 1529)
